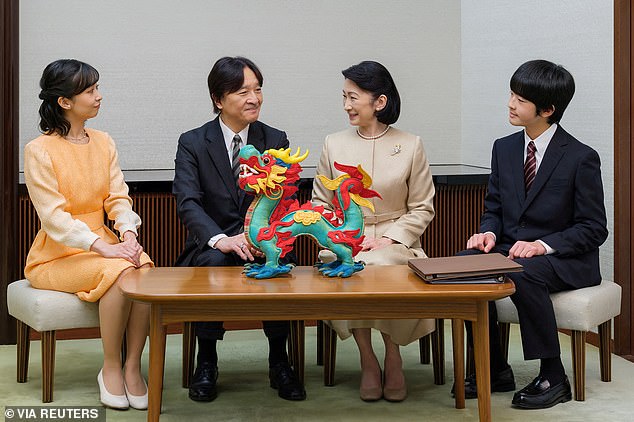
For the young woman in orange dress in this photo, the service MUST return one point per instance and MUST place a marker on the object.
(74, 180)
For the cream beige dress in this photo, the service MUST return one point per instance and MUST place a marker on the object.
(71, 187)
(401, 175)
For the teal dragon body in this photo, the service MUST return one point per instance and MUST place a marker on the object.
(274, 219)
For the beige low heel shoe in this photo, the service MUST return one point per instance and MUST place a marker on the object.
(370, 394)
(395, 394)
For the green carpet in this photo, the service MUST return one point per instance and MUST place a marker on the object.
(245, 395)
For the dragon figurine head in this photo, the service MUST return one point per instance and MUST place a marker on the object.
(271, 173)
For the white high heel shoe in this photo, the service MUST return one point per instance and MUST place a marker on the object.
(137, 402)
(110, 400)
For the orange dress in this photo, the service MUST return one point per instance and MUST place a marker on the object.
(71, 187)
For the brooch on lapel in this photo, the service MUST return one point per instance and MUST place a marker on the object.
(396, 149)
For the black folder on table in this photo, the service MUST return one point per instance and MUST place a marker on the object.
(480, 268)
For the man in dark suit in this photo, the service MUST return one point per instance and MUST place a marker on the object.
(213, 208)
(544, 209)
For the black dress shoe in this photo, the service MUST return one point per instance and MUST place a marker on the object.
(502, 382)
(539, 394)
(203, 385)
(286, 382)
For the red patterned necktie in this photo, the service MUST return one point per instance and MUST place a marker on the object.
(530, 165)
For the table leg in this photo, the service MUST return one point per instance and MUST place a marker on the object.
(158, 333)
(457, 335)
(482, 364)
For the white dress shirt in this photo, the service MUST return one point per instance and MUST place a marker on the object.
(228, 135)
(541, 144)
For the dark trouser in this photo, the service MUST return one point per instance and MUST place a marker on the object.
(213, 330)
(535, 310)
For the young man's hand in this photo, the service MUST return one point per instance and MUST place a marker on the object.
(523, 249)
(481, 241)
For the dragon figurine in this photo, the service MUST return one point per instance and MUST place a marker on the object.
(275, 219)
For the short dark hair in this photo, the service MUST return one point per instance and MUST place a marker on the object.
(227, 76)
(545, 84)
(62, 78)
(374, 78)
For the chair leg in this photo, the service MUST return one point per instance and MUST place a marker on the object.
(424, 346)
(48, 365)
(457, 339)
(23, 346)
(296, 339)
(470, 361)
(189, 349)
(320, 342)
(578, 346)
(292, 343)
(330, 355)
(438, 352)
(505, 335)
(605, 354)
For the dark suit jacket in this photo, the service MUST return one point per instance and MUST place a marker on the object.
(564, 207)
(208, 200)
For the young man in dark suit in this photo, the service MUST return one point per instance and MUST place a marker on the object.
(212, 207)
(544, 209)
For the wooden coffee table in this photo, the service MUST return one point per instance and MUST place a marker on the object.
(178, 294)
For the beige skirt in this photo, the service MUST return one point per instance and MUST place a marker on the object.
(401, 331)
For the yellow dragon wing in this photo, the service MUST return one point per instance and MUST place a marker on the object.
(332, 184)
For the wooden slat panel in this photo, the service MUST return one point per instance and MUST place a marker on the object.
(458, 210)
(29, 225)
(162, 235)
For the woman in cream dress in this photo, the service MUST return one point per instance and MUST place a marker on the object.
(400, 173)
(73, 177)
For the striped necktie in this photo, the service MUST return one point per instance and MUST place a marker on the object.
(235, 160)
(530, 165)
